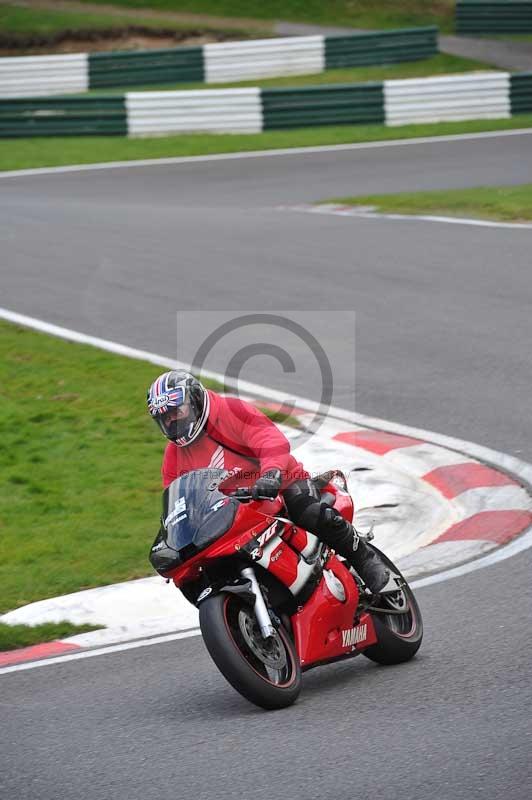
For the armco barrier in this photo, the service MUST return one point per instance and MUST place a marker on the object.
(482, 95)
(323, 105)
(222, 110)
(34, 76)
(385, 47)
(497, 16)
(521, 93)
(453, 97)
(146, 66)
(212, 63)
(54, 116)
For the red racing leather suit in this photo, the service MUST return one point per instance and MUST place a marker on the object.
(237, 435)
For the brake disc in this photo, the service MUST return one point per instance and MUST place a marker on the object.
(270, 651)
(396, 600)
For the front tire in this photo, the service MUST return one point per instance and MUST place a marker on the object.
(265, 672)
(399, 636)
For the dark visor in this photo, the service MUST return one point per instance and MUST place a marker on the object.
(174, 428)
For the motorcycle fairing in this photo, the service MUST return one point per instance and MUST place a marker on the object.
(202, 525)
(325, 627)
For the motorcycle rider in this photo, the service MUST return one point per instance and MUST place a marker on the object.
(206, 429)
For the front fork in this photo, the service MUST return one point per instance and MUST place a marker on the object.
(259, 606)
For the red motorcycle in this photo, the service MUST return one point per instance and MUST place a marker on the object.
(273, 600)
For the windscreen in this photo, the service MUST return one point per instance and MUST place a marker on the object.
(195, 512)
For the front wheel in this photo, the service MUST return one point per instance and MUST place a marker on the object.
(398, 623)
(266, 672)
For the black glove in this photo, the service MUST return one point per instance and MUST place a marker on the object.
(268, 485)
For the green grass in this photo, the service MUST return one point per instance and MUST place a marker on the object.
(440, 64)
(351, 13)
(19, 23)
(508, 203)
(80, 463)
(58, 151)
(14, 636)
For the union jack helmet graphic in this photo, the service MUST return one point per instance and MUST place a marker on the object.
(179, 404)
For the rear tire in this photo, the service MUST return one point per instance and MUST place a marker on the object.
(399, 636)
(265, 672)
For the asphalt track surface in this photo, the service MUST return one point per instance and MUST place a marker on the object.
(443, 342)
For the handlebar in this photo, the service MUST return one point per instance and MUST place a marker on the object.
(245, 495)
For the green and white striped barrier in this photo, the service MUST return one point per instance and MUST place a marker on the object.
(478, 95)
(226, 62)
(495, 16)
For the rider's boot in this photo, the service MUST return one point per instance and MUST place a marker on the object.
(369, 566)
(343, 538)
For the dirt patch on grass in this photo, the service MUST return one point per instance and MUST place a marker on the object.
(73, 27)
(131, 38)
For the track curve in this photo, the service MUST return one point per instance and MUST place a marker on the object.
(444, 331)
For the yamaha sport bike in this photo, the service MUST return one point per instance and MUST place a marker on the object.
(273, 600)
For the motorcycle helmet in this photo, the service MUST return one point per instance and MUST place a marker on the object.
(179, 404)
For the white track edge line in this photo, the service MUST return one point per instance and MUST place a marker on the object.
(517, 545)
(481, 223)
(101, 651)
(286, 151)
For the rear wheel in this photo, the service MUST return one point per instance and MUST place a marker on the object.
(398, 623)
(266, 672)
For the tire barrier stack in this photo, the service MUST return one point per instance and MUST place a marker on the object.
(521, 93)
(480, 95)
(37, 76)
(221, 111)
(384, 47)
(180, 64)
(225, 62)
(497, 16)
(450, 97)
(323, 105)
(63, 116)
(235, 61)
